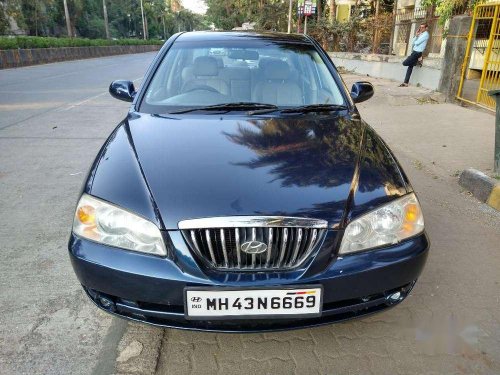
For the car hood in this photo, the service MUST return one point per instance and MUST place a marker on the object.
(208, 166)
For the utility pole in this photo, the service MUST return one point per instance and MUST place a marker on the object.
(68, 22)
(376, 34)
(290, 18)
(164, 31)
(394, 16)
(36, 18)
(333, 10)
(106, 27)
(307, 12)
(143, 22)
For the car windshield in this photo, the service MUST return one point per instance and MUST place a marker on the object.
(257, 72)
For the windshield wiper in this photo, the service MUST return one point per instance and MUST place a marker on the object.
(315, 108)
(301, 109)
(228, 106)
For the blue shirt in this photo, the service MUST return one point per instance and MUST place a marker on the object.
(420, 42)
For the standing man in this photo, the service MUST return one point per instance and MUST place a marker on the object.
(419, 43)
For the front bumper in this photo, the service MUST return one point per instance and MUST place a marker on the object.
(150, 289)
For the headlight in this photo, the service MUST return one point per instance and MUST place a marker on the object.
(105, 223)
(386, 225)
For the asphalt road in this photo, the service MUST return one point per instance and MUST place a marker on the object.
(54, 118)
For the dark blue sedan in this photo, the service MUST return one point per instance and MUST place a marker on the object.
(243, 192)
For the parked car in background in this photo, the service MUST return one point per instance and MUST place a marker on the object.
(243, 192)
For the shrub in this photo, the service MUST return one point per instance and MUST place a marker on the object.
(49, 42)
(355, 35)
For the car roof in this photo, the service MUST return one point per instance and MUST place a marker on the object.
(196, 36)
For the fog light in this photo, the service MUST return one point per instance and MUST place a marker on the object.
(394, 297)
(106, 303)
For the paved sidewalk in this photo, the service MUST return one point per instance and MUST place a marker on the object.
(443, 136)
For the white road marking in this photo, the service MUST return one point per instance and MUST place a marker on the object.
(71, 106)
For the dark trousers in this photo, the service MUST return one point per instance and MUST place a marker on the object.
(410, 62)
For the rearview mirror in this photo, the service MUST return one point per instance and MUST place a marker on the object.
(361, 91)
(123, 90)
(243, 54)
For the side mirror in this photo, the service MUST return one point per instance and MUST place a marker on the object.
(361, 91)
(123, 90)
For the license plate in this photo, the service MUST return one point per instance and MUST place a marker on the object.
(210, 303)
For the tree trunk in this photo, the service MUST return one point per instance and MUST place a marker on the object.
(164, 30)
(105, 11)
(376, 32)
(66, 15)
(143, 22)
(394, 13)
(333, 11)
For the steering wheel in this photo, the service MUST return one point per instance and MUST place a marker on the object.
(203, 87)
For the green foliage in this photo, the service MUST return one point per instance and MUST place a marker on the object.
(183, 20)
(275, 17)
(446, 9)
(329, 34)
(226, 14)
(359, 34)
(4, 24)
(46, 18)
(91, 19)
(49, 42)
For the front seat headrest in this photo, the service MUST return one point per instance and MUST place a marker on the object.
(205, 66)
(276, 70)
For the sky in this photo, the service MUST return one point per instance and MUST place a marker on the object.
(196, 6)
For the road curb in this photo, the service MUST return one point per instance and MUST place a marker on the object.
(139, 349)
(483, 187)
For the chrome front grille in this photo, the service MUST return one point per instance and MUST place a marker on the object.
(253, 243)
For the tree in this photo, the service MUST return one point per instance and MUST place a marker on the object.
(227, 14)
(275, 17)
(4, 22)
(66, 17)
(106, 25)
(333, 10)
(447, 8)
(87, 18)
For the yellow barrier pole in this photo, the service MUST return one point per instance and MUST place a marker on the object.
(467, 52)
(488, 53)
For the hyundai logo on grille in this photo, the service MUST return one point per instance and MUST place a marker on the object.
(253, 247)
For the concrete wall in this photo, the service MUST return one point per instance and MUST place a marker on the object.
(22, 57)
(454, 55)
(390, 67)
